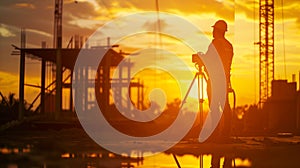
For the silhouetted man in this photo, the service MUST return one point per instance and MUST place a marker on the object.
(221, 46)
(225, 51)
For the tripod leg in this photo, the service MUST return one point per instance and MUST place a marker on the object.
(189, 90)
(200, 98)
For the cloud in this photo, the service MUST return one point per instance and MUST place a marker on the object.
(220, 8)
(39, 32)
(39, 18)
(85, 23)
(290, 9)
(153, 25)
(5, 32)
(87, 15)
(25, 5)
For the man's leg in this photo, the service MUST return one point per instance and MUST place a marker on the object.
(227, 114)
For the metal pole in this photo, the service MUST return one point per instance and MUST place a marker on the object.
(22, 75)
(177, 162)
(43, 78)
(71, 94)
(298, 108)
(58, 44)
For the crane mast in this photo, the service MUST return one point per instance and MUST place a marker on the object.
(266, 49)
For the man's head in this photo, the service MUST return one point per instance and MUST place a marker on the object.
(220, 27)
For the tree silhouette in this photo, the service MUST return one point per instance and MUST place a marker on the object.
(9, 108)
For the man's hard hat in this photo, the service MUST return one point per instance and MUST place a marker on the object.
(221, 25)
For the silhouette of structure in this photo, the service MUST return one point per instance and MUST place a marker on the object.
(48, 94)
(57, 70)
(266, 49)
(277, 98)
(281, 107)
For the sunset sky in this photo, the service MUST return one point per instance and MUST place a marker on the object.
(86, 16)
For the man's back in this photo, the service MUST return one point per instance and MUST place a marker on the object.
(225, 51)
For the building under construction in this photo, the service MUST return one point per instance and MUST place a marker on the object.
(51, 104)
(57, 73)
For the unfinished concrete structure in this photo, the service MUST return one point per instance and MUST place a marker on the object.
(49, 87)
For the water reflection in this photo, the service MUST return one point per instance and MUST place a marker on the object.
(12, 157)
(73, 148)
(6, 150)
(24, 157)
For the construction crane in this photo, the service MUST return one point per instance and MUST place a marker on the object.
(266, 49)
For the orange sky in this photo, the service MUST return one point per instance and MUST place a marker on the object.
(86, 16)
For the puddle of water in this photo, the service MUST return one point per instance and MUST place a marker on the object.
(73, 148)
(18, 157)
(14, 150)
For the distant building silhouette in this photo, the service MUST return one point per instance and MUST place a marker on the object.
(283, 107)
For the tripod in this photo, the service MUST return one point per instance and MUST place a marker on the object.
(200, 77)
